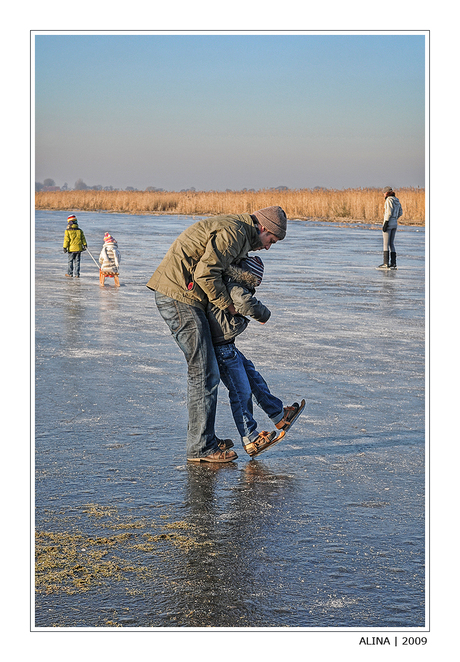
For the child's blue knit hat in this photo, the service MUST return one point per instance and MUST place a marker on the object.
(254, 264)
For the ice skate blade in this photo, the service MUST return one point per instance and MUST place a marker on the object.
(219, 457)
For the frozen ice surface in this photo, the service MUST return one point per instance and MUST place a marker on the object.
(326, 530)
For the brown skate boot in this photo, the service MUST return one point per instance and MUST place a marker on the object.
(291, 414)
(218, 456)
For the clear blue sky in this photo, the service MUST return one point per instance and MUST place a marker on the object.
(217, 111)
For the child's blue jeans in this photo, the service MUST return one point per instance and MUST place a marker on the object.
(73, 263)
(243, 383)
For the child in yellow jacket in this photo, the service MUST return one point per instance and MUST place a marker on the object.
(74, 244)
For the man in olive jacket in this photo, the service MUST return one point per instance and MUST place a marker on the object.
(191, 275)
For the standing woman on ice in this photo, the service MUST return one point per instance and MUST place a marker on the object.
(110, 256)
(393, 211)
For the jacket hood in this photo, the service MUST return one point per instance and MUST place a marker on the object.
(239, 275)
(255, 239)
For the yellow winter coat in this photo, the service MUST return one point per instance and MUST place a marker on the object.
(74, 239)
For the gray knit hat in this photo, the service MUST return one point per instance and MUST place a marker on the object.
(387, 189)
(273, 219)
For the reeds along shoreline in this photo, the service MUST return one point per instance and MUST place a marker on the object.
(347, 205)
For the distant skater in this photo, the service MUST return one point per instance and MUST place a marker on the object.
(109, 260)
(191, 275)
(238, 374)
(74, 244)
(393, 211)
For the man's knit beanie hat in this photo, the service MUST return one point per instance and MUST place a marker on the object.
(254, 264)
(273, 219)
(388, 189)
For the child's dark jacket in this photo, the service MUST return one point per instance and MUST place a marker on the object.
(241, 286)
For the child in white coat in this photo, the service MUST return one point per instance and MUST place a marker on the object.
(109, 259)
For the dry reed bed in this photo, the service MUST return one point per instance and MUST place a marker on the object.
(325, 204)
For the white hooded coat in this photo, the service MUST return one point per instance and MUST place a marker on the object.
(393, 211)
(110, 258)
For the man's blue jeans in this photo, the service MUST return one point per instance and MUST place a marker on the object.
(243, 383)
(190, 329)
(73, 264)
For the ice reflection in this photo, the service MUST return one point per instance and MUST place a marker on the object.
(227, 584)
(74, 310)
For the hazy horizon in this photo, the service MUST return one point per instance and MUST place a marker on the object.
(230, 111)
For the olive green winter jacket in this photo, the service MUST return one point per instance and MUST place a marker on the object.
(192, 269)
(74, 239)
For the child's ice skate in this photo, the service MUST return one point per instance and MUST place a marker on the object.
(291, 414)
(224, 444)
(264, 441)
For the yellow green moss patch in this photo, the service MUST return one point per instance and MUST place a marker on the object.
(71, 561)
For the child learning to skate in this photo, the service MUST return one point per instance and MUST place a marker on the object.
(109, 259)
(238, 374)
